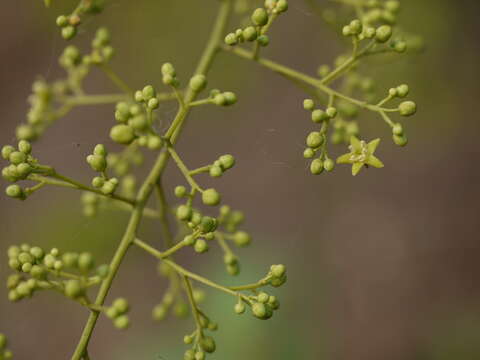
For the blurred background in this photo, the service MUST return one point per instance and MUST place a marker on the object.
(381, 266)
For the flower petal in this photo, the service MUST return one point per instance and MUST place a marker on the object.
(344, 159)
(372, 145)
(356, 145)
(375, 162)
(356, 167)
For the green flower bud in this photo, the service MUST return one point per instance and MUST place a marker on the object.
(70, 259)
(278, 271)
(97, 162)
(98, 182)
(316, 167)
(68, 32)
(168, 69)
(154, 142)
(85, 261)
(159, 312)
(383, 33)
(331, 112)
(138, 96)
(230, 98)
(184, 213)
(25, 147)
(189, 355)
(201, 246)
(407, 108)
(208, 224)
(138, 122)
(282, 6)
(314, 140)
(346, 30)
(400, 140)
(263, 297)
(319, 116)
(122, 134)
(215, 171)
(308, 104)
(17, 157)
(242, 238)
(180, 310)
(250, 33)
(148, 92)
(12, 282)
(62, 21)
(211, 197)
(208, 344)
(240, 308)
(263, 40)
(153, 103)
(308, 153)
(262, 311)
(23, 170)
(227, 161)
(397, 129)
(329, 164)
(180, 191)
(260, 17)
(111, 313)
(25, 132)
(273, 302)
(187, 339)
(199, 355)
(26, 267)
(356, 27)
(109, 186)
(400, 46)
(15, 191)
(189, 240)
(198, 82)
(74, 289)
(219, 100)
(6, 151)
(403, 90)
(122, 322)
(231, 39)
(121, 305)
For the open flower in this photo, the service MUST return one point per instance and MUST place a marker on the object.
(360, 155)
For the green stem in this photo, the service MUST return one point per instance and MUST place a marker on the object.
(163, 212)
(159, 254)
(64, 181)
(200, 170)
(312, 81)
(152, 179)
(183, 168)
(116, 79)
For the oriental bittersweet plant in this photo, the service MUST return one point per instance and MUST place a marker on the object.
(337, 94)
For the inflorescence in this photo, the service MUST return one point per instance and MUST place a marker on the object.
(136, 124)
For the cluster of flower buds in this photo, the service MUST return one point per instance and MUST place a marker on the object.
(37, 269)
(98, 162)
(169, 75)
(70, 23)
(135, 120)
(222, 164)
(261, 20)
(118, 313)
(5, 354)
(102, 51)
(201, 344)
(225, 98)
(316, 140)
(262, 304)
(378, 12)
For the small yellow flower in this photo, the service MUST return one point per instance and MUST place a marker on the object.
(360, 155)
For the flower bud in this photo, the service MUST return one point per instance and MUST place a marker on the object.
(260, 17)
(122, 134)
(407, 108)
(211, 197)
